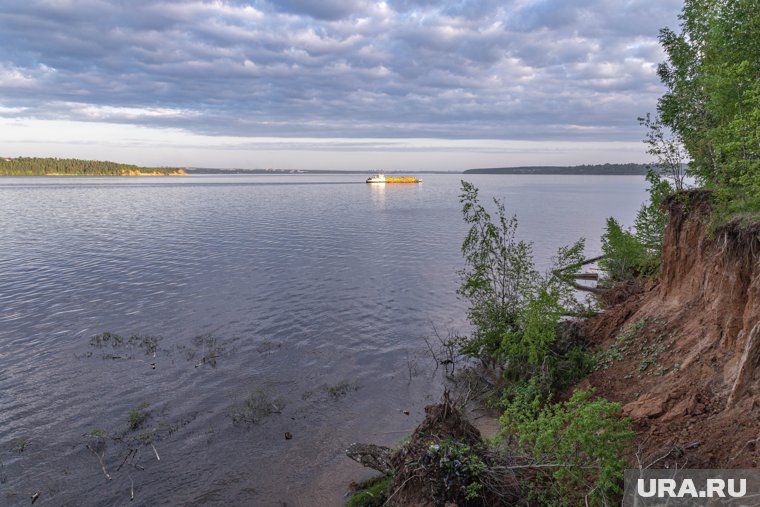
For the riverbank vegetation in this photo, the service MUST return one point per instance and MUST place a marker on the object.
(35, 166)
(555, 447)
(710, 114)
(517, 320)
(661, 349)
(712, 103)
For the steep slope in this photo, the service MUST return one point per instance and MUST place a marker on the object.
(683, 354)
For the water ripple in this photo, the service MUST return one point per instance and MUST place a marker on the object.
(256, 285)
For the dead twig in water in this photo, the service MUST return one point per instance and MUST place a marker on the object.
(125, 459)
(132, 460)
(131, 488)
(156, 452)
(100, 459)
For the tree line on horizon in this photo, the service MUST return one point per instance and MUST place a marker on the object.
(598, 169)
(38, 166)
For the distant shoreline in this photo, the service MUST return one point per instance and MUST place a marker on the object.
(599, 169)
(55, 167)
(595, 169)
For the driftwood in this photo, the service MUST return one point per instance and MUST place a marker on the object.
(371, 456)
(571, 277)
(100, 460)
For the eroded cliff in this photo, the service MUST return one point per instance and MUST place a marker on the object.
(683, 353)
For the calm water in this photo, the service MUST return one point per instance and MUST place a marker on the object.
(306, 295)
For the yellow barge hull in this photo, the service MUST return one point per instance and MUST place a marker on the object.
(393, 179)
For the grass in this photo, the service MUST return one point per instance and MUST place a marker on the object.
(20, 445)
(618, 350)
(371, 493)
(138, 415)
(257, 406)
(339, 390)
(146, 342)
(97, 433)
(737, 207)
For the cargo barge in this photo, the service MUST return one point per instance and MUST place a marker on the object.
(381, 178)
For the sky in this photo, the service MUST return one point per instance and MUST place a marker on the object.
(330, 84)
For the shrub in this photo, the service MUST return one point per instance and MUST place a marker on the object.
(629, 255)
(579, 441)
(498, 275)
(514, 309)
(625, 257)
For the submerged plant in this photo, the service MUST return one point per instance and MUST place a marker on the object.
(20, 445)
(138, 415)
(256, 407)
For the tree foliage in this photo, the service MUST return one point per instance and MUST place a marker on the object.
(514, 309)
(633, 254)
(667, 150)
(580, 442)
(498, 276)
(712, 104)
(31, 166)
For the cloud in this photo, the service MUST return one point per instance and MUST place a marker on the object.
(458, 69)
(321, 9)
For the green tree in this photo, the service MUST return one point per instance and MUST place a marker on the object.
(667, 150)
(651, 218)
(633, 254)
(498, 275)
(712, 76)
(624, 255)
(514, 309)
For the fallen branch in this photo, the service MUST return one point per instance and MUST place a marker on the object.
(125, 459)
(100, 459)
(398, 489)
(572, 267)
(570, 278)
(584, 288)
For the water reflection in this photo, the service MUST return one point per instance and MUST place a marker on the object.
(378, 194)
(273, 291)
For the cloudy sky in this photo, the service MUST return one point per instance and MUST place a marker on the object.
(318, 84)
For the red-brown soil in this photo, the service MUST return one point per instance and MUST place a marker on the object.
(683, 352)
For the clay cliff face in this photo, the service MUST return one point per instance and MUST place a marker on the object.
(686, 348)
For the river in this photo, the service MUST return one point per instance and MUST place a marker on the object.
(260, 305)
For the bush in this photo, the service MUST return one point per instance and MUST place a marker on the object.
(514, 309)
(498, 275)
(629, 255)
(580, 443)
(625, 257)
